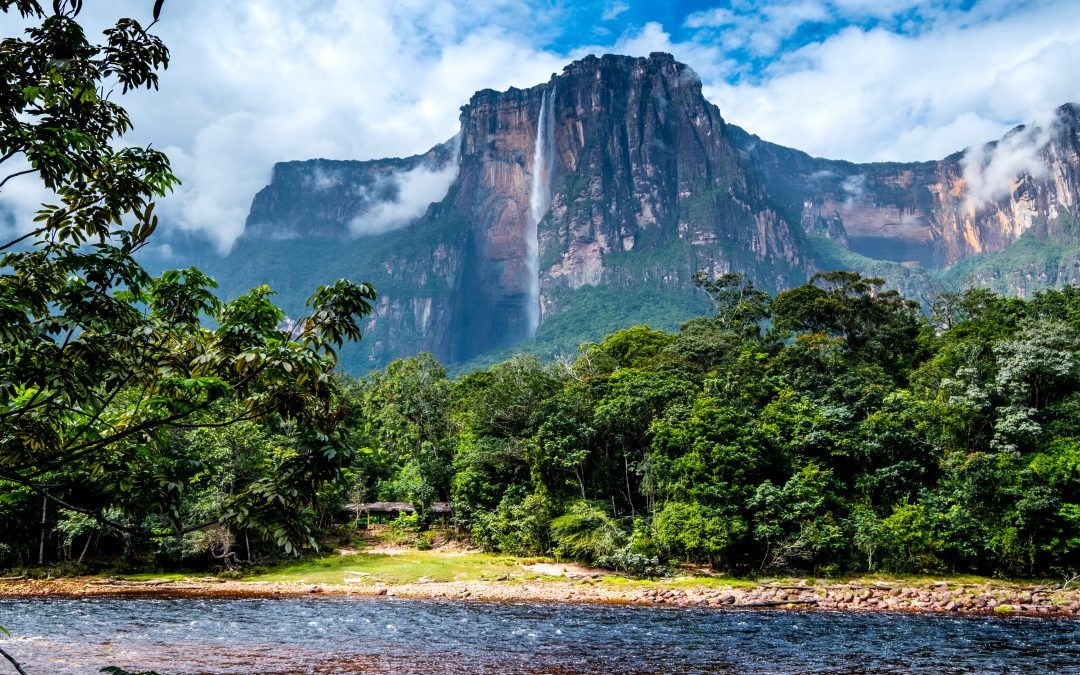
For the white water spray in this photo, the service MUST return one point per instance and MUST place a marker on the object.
(539, 202)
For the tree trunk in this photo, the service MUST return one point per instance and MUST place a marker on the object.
(86, 547)
(44, 522)
(9, 657)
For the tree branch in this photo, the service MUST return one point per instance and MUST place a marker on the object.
(97, 515)
(16, 175)
(15, 663)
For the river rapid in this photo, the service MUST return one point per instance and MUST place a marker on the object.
(345, 635)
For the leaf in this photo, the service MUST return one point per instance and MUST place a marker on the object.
(157, 9)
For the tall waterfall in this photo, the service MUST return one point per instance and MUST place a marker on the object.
(539, 202)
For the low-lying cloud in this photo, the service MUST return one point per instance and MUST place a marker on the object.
(991, 170)
(416, 189)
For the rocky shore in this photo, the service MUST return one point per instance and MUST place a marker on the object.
(996, 598)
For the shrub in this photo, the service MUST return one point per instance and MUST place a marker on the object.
(425, 541)
(696, 532)
(587, 533)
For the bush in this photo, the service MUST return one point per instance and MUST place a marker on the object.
(425, 541)
(696, 532)
(634, 564)
(587, 533)
(520, 525)
(908, 541)
(405, 523)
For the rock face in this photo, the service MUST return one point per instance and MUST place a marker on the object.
(935, 214)
(647, 185)
(646, 188)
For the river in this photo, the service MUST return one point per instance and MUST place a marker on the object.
(344, 635)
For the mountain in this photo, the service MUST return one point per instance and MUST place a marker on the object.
(585, 204)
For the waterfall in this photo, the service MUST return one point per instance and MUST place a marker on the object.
(539, 201)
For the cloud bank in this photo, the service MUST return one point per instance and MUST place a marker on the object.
(991, 169)
(257, 82)
(415, 190)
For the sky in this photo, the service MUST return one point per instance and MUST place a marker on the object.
(256, 82)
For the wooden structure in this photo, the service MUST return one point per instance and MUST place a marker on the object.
(396, 509)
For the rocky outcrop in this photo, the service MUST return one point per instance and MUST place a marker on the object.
(333, 199)
(649, 187)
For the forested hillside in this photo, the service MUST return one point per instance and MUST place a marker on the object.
(850, 434)
(830, 429)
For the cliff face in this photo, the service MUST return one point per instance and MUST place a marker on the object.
(645, 187)
(648, 187)
(939, 213)
(600, 192)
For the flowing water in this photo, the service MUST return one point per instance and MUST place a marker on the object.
(345, 635)
(539, 202)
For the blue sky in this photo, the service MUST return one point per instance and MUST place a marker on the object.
(754, 33)
(254, 82)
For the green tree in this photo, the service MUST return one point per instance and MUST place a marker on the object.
(875, 324)
(98, 361)
(405, 413)
(736, 304)
(695, 532)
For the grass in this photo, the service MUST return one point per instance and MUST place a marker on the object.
(402, 568)
(411, 566)
(682, 582)
(152, 576)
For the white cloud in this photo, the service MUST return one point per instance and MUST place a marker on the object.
(613, 10)
(252, 83)
(873, 94)
(416, 189)
(760, 27)
(990, 170)
(255, 82)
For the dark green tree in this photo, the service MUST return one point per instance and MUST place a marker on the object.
(99, 361)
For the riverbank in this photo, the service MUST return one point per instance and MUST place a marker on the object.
(470, 576)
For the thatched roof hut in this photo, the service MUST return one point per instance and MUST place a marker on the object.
(378, 509)
(390, 508)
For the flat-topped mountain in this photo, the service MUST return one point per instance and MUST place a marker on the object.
(586, 203)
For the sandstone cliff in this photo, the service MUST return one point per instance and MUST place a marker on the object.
(587, 202)
(934, 213)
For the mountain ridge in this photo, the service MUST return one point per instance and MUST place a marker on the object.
(648, 184)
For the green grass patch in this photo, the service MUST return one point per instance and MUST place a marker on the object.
(400, 568)
(151, 576)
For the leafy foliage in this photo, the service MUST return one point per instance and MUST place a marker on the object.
(104, 371)
(833, 429)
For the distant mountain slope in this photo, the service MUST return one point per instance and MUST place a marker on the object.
(586, 203)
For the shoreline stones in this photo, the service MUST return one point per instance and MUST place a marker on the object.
(988, 599)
